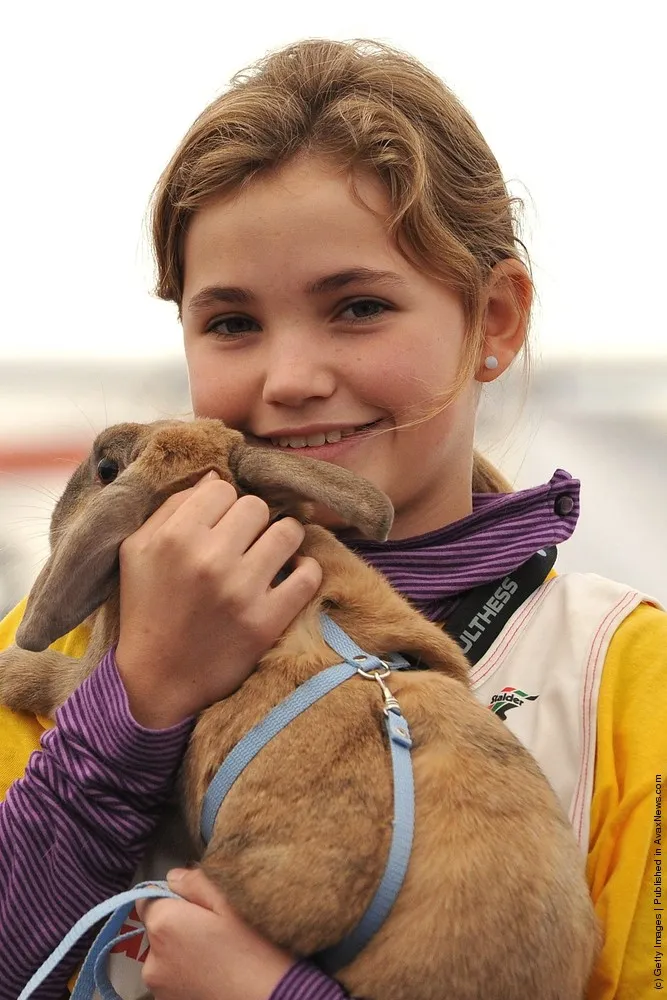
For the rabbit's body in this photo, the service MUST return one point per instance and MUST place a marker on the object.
(494, 904)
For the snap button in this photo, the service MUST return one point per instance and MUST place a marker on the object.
(564, 505)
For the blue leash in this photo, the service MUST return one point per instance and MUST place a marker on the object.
(120, 906)
(355, 662)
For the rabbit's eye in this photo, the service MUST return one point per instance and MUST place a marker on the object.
(107, 470)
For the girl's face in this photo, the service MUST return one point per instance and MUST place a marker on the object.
(306, 328)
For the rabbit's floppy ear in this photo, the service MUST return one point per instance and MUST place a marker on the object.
(272, 472)
(82, 570)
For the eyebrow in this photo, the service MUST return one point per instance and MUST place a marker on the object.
(214, 294)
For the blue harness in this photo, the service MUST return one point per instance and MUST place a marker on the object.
(355, 663)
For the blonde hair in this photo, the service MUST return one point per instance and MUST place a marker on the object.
(368, 106)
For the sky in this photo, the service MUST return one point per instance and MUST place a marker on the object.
(95, 98)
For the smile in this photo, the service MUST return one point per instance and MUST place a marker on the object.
(317, 440)
(322, 439)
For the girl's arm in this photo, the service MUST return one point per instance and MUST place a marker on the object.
(627, 846)
(195, 577)
(74, 828)
(305, 982)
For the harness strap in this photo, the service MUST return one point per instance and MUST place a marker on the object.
(341, 954)
(356, 660)
(285, 712)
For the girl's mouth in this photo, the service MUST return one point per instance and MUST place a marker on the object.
(323, 445)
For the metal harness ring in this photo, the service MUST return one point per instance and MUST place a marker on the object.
(376, 673)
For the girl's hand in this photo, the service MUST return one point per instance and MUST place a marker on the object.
(197, 607)
(200, 949)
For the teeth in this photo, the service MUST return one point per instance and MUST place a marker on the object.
(315, 440)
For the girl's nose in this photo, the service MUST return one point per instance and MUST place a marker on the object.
(296, 374)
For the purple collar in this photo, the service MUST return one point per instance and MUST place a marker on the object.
(501, 533)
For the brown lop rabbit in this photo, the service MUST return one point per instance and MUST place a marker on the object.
(494, 903)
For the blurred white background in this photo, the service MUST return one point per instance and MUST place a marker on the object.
(571, 99)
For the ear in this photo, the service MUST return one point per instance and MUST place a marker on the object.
(509, 298)
(82, 571)
(83, 568)
(268, 472)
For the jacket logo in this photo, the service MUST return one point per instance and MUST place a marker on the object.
(477, 625)
(136, 944)
(508, 698)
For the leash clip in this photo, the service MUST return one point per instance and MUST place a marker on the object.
(378, 674)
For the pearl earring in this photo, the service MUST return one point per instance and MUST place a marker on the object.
(491, 362)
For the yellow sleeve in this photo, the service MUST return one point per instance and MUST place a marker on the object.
(626, 845)
(20, 733)
(73, 644)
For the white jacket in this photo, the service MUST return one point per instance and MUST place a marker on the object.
(542, 676)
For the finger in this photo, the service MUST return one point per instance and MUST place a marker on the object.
(242, 525)
(209, 500)
(141, 906)
(291, 596)
(206, 504)
(171, 504)
(273, 549)
(146, 908)
(193, 885)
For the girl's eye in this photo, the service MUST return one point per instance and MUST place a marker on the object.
(364, 309)
(236, 327)
(232, 326)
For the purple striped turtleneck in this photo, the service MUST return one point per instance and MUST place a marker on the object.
(501, 533)
(80, 818)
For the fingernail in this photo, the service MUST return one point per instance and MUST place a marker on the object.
(176, 874)
(210, 475)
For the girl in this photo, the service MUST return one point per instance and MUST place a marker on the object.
(340, 245)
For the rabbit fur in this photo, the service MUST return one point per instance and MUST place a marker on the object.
(494, 903)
